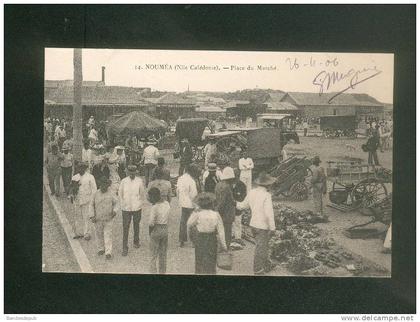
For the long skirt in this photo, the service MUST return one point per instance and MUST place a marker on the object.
(205, 253)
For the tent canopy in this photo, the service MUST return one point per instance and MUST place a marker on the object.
(137, 123)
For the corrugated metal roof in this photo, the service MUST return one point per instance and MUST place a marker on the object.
(280, 106)
(234, 103)
(308, 99)
(104, 95)
(210, 109)
(275, 96)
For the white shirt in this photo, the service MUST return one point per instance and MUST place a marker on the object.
(186, 190)
(87, 188)
(131, 193)
(159, 214)
(93, 134)
(207, 221)
(150, 155)
(284, 154)
(87, 155)
(209, 150)
(60, 133)
(246, 165)
(262, 214)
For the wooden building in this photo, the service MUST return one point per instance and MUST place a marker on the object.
(171, 106)
(210, 111)
(100, 101)
(315, 105)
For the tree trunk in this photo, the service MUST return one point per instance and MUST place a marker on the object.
(77, 104)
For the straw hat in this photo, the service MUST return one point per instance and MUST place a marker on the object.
(212, 167)
(264, 179)
(227, 174)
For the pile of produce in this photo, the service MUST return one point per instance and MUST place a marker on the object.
(301, 246)
(286, 216)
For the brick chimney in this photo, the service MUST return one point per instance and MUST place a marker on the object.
(103, 74)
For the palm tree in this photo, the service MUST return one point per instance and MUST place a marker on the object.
(77, 104)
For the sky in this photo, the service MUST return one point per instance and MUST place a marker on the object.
(177, 70)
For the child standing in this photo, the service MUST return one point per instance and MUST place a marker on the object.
(158, 230)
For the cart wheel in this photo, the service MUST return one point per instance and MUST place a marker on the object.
(298, 191)
(368, 192)
(223, 145)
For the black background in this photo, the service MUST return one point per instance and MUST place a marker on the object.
(340, 28)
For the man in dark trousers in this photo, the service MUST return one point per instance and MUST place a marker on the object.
(186, 155)
(372, 145)
(225, 203)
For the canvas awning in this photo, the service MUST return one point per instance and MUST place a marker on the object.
(136, 123)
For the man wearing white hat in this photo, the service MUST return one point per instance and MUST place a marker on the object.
(225, 203)
(150, 158)
(262, 221)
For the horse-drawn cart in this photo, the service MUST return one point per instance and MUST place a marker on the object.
(356, 185)
(193, 129)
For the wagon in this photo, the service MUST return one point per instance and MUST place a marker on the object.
(338, 125)
(262, 144)
(284, 122)
(292, 178)
(356, 185)
(193, 129)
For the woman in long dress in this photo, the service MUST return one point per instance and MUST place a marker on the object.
(205, 228)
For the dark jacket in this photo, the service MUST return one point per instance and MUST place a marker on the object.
(186, 153)
(239, 191)
(225, 203)
(373, 143)
(98, 173)
(211, 182)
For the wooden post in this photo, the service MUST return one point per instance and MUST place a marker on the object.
(77, 104)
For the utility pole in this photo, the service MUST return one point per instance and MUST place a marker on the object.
(77, 104)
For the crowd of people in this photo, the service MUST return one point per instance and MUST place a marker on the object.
(105, 184)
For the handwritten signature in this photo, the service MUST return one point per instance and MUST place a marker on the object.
(325, 80)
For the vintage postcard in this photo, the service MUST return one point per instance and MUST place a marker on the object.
(218, 162)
